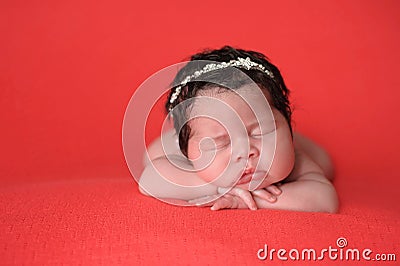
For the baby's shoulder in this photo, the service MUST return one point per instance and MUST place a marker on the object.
(304, 163)
(310, 157)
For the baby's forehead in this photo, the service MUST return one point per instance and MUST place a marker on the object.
(229, 107)
(250, 94)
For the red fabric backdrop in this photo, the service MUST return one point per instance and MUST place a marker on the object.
(69, 68)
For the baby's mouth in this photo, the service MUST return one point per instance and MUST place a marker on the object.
(252, 175)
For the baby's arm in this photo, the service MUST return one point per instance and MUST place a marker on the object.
(308, 187)
(310, 192)
(162, 179)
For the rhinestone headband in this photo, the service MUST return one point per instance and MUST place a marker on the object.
(240, 62)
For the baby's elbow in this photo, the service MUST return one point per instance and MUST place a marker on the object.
(151, 183)
(329, 202)
(331, 207)
(141, 190)
(144, 181)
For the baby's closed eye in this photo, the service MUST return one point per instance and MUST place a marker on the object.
(216, 143)
(262, 131)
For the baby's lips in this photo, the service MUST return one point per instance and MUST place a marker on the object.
(258, 178)
(244, 179)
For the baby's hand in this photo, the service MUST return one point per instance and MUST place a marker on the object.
(229, 198)
(237, 198)
(269, 193)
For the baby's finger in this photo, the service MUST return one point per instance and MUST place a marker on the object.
(274, 190)
(221, 203)
(245, 196)
(262, 193)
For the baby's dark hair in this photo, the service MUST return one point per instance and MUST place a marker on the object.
(274, 84)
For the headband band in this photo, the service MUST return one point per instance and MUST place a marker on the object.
(240, 63)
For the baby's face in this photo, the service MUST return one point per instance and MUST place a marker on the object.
(237, 143)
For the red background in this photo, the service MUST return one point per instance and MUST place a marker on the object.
(69, 68)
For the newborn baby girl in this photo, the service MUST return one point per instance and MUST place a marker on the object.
(233, 144)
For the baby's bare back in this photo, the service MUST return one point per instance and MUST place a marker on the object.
(314, 152)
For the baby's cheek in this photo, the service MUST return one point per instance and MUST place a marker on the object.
(283, 161)
(208, 163)
(215, 171)
(193, 150)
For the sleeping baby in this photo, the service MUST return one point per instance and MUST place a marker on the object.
(232, 145)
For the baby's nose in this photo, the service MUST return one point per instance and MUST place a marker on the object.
(252, 152)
